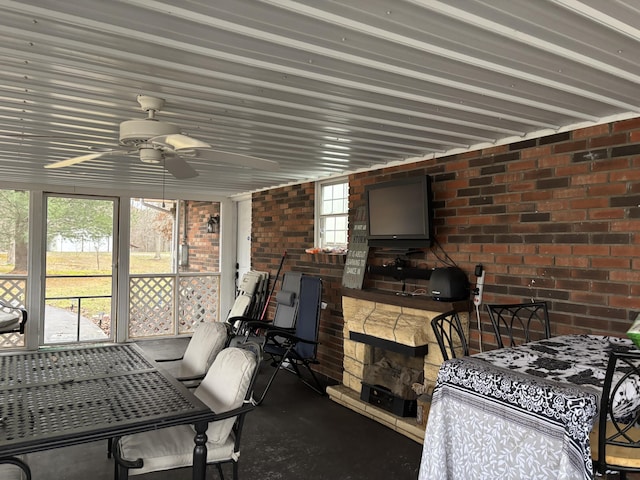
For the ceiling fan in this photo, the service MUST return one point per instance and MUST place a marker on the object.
(156, 141)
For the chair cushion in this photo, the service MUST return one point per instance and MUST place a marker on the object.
(225, 387)
(285, 314)
(208, 339)
(284, 297)
(12, 472)
(170, 448)
(10, 320)
(240, 306)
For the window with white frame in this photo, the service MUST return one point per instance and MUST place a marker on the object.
(332, 207)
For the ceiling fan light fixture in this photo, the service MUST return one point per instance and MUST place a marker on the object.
(150, 155)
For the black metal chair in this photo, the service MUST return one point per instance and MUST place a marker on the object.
(12, 319)
(12, 468)
(450, 335)
(519, 322)
(228, 390)
(615, 441)
(287, 303)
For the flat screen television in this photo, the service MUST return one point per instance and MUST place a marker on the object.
(399, 213)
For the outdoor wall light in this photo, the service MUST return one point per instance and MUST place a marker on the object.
(213, 225)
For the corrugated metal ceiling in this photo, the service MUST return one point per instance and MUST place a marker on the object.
(321, 87)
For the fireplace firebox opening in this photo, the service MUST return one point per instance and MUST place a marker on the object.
(387, 381)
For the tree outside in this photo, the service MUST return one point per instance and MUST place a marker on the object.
(152, 227)
(14, 230)
(79, 256)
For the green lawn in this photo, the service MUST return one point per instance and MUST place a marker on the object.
(89, 263)
(80, 264)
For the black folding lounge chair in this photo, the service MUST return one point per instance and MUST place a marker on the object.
(292, 350)
(244, 328)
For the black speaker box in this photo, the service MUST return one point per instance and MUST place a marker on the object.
(449, 284)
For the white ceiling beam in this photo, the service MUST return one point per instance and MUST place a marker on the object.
(282, 69)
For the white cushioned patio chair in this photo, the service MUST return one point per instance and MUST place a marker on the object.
(227, 390)
(12, 468)
(12, 319)
(208, 340)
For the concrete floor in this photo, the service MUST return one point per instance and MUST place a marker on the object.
(295, 434)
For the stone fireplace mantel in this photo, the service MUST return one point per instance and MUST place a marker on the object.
(393, 319)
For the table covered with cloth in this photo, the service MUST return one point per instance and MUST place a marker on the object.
(521, 413)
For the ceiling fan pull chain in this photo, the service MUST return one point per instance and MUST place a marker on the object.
(164, 174)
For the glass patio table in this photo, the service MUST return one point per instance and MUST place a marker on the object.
(60, 397)
(521, 412)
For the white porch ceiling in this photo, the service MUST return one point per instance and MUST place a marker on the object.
(321, 87)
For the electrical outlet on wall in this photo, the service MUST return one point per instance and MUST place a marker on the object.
(477, 297)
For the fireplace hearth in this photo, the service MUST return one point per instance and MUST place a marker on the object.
(375, 389)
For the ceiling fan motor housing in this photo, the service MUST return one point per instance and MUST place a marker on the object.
(135, 132)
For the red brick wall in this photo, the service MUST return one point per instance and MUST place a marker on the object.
(555, 218)
(204, 247)
(283, 221)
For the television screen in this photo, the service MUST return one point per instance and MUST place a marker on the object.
(399, 213)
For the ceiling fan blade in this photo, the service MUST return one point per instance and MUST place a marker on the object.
(32, 135)
(179, 141)
(74, 160)
(179, 168)
(238, 160)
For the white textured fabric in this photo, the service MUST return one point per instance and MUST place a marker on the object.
(9, 320)
(223, 388)
(208, 339)
(11, 472)
(170, 448)
(466, 441)
(240, 306)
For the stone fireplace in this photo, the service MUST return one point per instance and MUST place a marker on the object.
(398, 329)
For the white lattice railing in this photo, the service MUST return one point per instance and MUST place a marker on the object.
(198, 301)
(13, 290)
(154, 303)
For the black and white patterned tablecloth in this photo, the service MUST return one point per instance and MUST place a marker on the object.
(579, 360)
(521, 412)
